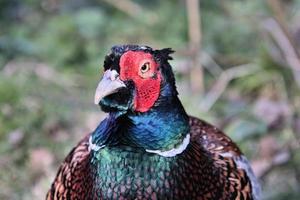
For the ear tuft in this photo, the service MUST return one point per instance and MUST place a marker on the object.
(163, 55)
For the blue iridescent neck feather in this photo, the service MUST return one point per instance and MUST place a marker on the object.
(163, 127)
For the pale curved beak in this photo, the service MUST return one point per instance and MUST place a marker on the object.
(109, 84)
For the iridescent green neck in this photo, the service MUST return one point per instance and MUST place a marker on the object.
(163, 127)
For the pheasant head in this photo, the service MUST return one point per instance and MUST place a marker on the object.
(134, 79)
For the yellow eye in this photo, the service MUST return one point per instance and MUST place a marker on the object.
(145, 67)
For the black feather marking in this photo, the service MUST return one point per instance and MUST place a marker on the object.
(163, 55)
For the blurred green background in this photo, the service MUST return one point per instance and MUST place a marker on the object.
(237, 65)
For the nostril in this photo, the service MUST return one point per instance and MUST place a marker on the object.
(114, 75)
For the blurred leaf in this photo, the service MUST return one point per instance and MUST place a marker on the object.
(242, 129)
(90, 22)
(9, 91)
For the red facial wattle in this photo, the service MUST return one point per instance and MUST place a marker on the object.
(147, 84)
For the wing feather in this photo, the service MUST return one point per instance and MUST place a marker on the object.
(228, 156)
(72, 178)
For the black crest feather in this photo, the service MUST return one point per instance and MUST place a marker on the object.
(112, 60)
(163, 54)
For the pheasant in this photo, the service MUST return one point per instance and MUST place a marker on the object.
(148, 147)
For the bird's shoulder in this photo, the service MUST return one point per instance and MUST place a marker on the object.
(211, 138)
(72, 177)
(227, 156)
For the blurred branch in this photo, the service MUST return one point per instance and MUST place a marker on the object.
(133, 10)
(50, 5)
(207, 62)
(194, 23)
(278, 9)
(262, 167)
(288, 50)
(41, 70)
(194, 31)
(220, 85)
(126, 6)
(268, 160)
(278, 28)
(210, 64)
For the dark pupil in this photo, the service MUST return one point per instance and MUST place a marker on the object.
(144, 67)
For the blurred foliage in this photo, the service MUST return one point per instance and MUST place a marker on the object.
(51, 54)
